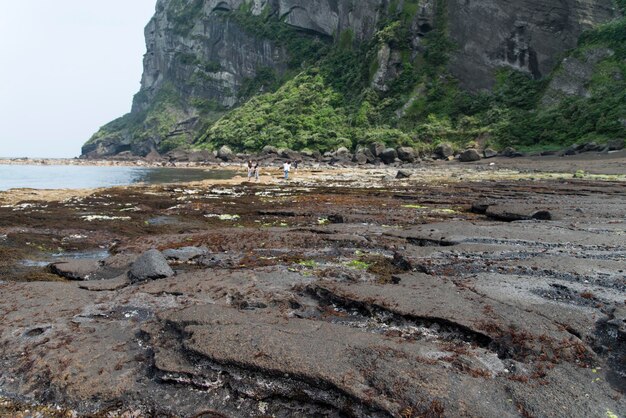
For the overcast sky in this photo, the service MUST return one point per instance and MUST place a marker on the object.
(67, 67)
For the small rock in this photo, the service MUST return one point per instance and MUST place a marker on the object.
(403, 174)
(151, 265)
(490, 153)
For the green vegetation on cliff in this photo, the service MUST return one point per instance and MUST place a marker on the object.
(333, 103)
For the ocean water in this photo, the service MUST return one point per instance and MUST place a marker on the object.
(86, 177)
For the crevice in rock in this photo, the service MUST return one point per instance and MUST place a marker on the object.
(284, 393)
(377, 319)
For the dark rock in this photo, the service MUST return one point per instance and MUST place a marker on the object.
(490, 153)
(225, 153)
(389, 156)
(469, 155)
(569, 151)
(377, 149)
(185, 254)
(591, 147)
(549, 153)
(616, 145)
(443, 151)
(151, 265)
(407, 154)
(404, 174)
(336, 219)
(509, 213)
(511, 152)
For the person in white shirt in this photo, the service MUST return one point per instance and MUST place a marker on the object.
(287, 168)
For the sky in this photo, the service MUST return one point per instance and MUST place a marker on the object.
(67, 67)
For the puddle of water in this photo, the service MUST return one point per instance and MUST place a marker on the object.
(77, 255)
(163, 220)
(83, 255)
(34, 263)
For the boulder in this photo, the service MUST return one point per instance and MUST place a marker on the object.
(200, 156)
(389, 156)
(151, 265)
(153, 156)
(403, 174)
(469, 155)
(178, 154)
(377, 149)
(268, 149)
(511, 152)
(342, 155)
(185, 254)
(225, 153)
(289, 154)
(591, 147)
(342, 151)
(569, 151)
(443, 151)
(616, 145)
(360, 158)
(490, 153)
(407, 154)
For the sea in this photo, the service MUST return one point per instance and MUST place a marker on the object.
(51, 177)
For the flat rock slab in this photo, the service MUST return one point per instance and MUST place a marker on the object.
(185, 254)
(75, 269)
(359, 373)
(511, 331)
(106, 285)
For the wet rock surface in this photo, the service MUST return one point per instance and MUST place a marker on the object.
(349, 294)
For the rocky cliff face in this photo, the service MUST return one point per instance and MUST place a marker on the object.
(205, 57)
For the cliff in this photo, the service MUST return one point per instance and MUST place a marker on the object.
(400, 71)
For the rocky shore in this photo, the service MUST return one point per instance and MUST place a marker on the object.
(435, 289)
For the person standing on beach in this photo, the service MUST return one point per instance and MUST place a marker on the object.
(250, 170)
(287, 168)
(256, 171)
